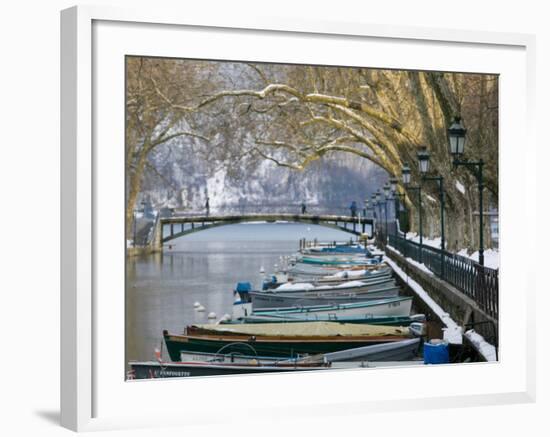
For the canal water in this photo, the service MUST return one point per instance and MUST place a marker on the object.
(203, 267)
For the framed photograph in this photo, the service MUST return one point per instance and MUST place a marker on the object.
(265, 206)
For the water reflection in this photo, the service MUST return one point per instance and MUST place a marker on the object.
(202, 267)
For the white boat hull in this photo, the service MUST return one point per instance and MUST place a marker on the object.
(401, 307)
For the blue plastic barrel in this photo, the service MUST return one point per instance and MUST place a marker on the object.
(436, 353)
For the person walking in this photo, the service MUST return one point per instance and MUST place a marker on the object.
(207, 206)
(303, 207)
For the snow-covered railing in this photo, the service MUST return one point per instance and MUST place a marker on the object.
(478, 282)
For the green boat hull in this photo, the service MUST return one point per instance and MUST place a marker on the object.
(329, 262)
(283, 349)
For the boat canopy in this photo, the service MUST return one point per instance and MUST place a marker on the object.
(306, 329)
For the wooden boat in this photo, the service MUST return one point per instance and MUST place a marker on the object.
(395, 351)
(235, 357)
(340, 261)
(265, 299)
(294, 288)
(336, 250)
(278, 346)
(155, 369)
(336, 278)
(356, 275)
(299, 269)
(307, 329)
(346, 365)
(399, 306)
(313, 317)
(344, 287)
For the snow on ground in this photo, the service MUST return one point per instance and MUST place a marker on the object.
(421, 266)
(452, 333)
(491, 257)
(486, 349)
(432, 242)
(460, 187)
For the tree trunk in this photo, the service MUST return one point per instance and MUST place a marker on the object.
(134, 181)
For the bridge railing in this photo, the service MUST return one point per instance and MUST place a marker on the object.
(478, 282)
(175, 226)
(268, 208)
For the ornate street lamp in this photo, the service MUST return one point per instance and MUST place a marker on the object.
(457, 138)
(386, 189)
(366, 208)
(393, 184)
(424, 166)
(406, 174)
(396, 196)
(406, 177)
(423, 161)
(457, 141)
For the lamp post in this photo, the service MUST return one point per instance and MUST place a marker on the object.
(386, 198)
(384, 202)
(396, 197)
(424, 167)
(399, 201)
(457, 141)
(406, 177)
(374, 204)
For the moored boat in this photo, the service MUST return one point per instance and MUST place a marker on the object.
(340, 261)
(399, 306)
(299, 269)
(263, 300)
(277, 346)
(308, 329)
(395, 351)
(343, 288)
(313, 317)
(335, 278)
(155, 369)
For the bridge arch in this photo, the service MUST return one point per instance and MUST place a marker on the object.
(185, 225)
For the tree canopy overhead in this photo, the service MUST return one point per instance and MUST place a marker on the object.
(294, 115)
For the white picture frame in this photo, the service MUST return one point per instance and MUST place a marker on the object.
(84, 320)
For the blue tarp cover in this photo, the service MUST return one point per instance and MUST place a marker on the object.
(243, 287)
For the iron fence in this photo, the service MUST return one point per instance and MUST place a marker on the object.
(478, 282)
